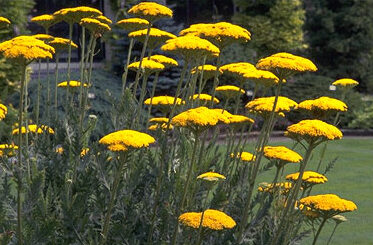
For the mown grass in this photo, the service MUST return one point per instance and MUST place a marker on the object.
(350, 178)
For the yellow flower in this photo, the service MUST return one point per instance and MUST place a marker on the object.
(148, 66)
(133, 24)
(72, 84)
(33, 128)
(4, 22)
(43, 37)
(229, 91)
(7, 149)
(264, 105)
(94, 26)
(211, 176)
(309, 177)
(3, 111)
(283, 187)
(84, 152)
(198, 119)
(321, 106)
(244, 71)
(328, 204)
(45, 20)
(203, 97)
(244, 156)
(59, 44)
(104, 19)
(164, 101)
(150, 11)
(159, 120)
(208, 71)
(162, 126)
(164, 60)
(345, 83)
(60, 150)
(221, 34)
(74, 15)
(25, 49)
(191, 47)
(239, 119)
(124, 140)
(212, 219)
(281, 153)
(312, 130)
(156, 36)
(284, 64)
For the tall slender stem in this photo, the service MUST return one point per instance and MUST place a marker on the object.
(216, 80)
(68, 66)
(48, 92)
(55, 87)
(151, 97)
(318, 231)
(124, 77)
(37, 111)
(204, 207)
(331, 235)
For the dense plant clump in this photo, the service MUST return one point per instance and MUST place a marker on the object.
(184, 175)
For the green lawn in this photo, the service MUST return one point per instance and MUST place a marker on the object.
(351, 178)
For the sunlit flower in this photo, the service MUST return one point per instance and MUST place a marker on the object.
(94, 25)
(209, 71)
(33, 128)
(283, 187)
(164, 60)
(264, 105)
(163, 100)
(4, 22)
(133, 24)
(74, 15)
(281, 153)
(45, 20)
(345, 83)
(221, 34)
(8, 149)
(26, 49)
(312, 130)
(191, 47)
(3, 111)
(43, 37)
(156, 36)
(148, 66)
(309, 178)
(104, 19)
(229, 91)
(239, 120)
(211, 176)
(59, 44)
(160, 123)
(203, 97)
(72, 84)
(212, 219)
(322, 106)
(150, 11)
(244, 156)
(285, 64)
(124, 140)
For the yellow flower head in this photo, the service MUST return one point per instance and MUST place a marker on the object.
(236, 69)
(281, 153)
(84, 152)
(3, 111)
(74, 15)
(204, 98)
(229, 91)
(285, 64)
(264, 105)
(150, 11)
(163, 101)
(244, 156)
(159, 120)
(156, 36)
(124, 140)
(239, 120)
(162, 126)
(148, 66)
(311, 130)
(199, 118)
(4, 22)
(104, 19)
(45, 20)
(321, 106)
(212, 219)
(209, 71)
(221, 34)
(94, 25)
(25, 49)
(345, 83)
(328, 204)
(191, 47)
(309, 177)
(43, 37)
(133, 24)
(164, 60)
(8, 149)
(283, 187)
(72, 84)
(211, 176)
(33, 128)
(59, 44)
(339, 218)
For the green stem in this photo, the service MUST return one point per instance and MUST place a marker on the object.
(151, 98)
(56, 88)
(37, 112)
(68, 66)
(141, 100)
(124, 77)
(20, 146)
(113, 196)
(216, 80)
(331, 236)
(82, 56)
(318, 231)
(186, 187)
(48, 92)
(200, 229)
